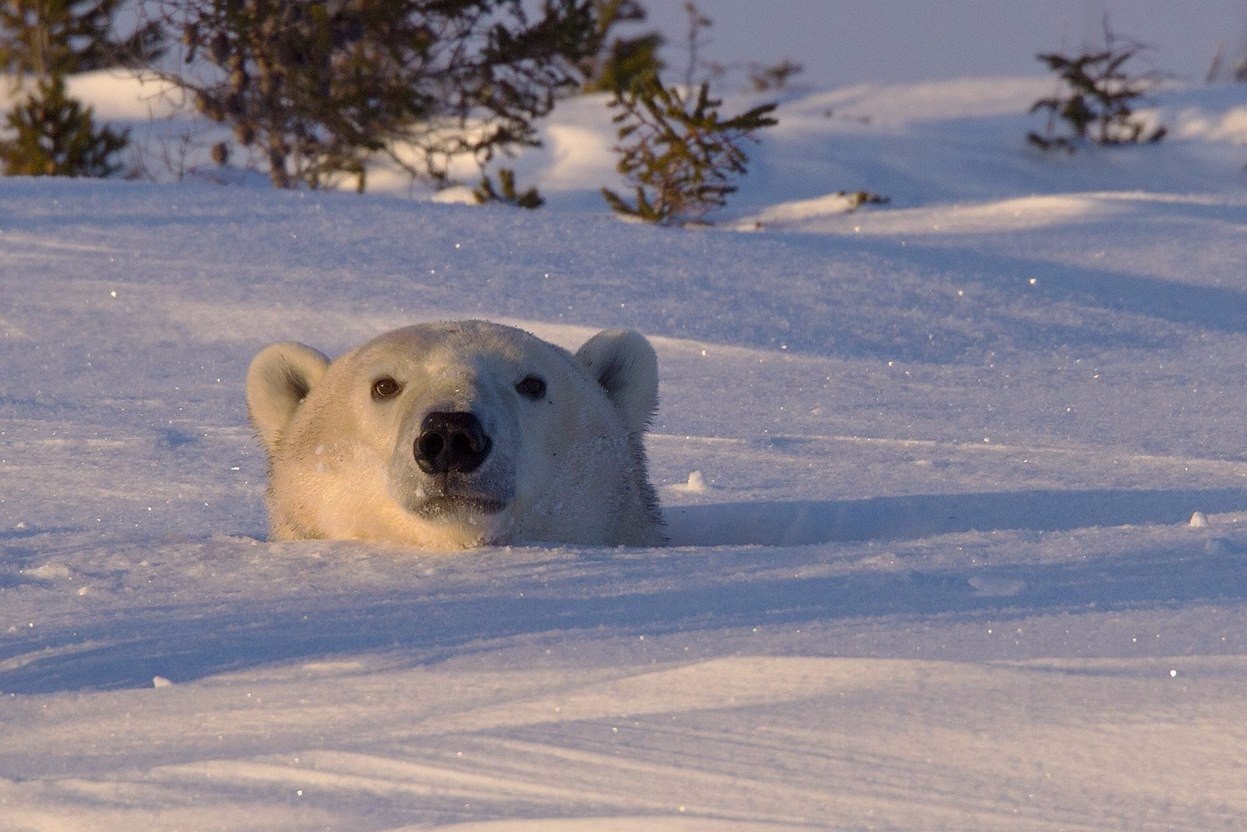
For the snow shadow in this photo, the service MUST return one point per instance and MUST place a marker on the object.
(1066, 304)
(185, 645)
(477, 605)
(805, 523)
(1218, 308)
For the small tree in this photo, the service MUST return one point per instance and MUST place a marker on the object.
(55, 135)
(316, 88)
(697, 70)
(774, 77)
(51, 133)
(616, 62)
(507, 192)
(760, 77)
(1098, 100)
(61, 37)
(677, 152)
(1225, 68)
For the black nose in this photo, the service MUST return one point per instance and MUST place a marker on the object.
(451, 442)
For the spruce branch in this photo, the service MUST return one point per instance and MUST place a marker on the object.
(678, 152)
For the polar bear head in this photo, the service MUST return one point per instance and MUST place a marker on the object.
(458, 434)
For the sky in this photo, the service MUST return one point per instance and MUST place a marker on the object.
(840, 42)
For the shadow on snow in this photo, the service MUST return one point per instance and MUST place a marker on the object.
(804, 523)
(713, 587)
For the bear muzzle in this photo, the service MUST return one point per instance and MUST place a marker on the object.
(451, 450)
(451, 442)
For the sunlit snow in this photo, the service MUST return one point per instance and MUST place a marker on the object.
(956, 488)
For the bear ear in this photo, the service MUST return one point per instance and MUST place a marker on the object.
(624, 363)
(278, 380)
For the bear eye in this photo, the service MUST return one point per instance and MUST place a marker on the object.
(532, 387)
(385, 388)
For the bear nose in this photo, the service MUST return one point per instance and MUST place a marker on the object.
(451, 442)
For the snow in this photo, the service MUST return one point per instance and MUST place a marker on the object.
(955, 486)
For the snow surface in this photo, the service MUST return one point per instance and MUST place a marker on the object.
(957, 493)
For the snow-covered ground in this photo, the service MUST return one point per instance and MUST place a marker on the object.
(957, 490)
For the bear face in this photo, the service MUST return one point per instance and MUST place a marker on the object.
(459, 434)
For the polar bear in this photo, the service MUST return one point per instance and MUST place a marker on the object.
(458, 434)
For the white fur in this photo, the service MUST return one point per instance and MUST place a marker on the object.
(569, 467)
